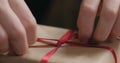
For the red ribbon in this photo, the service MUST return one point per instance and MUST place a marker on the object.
(66, 39)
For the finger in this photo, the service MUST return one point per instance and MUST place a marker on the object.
(85, 23)
(100, 8)
(107, 19)
(116, 28)
(14, 28)
(26, 17)
(3, 41)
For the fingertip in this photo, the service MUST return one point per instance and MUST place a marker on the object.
(19, 53)
(31, 42)
(83, 39)
(99, 39)
(31, 34)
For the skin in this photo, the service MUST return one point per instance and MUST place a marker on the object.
(108, 23)
(17, 26)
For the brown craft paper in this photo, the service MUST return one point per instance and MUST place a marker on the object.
(68, 54)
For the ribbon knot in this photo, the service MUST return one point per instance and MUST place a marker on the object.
(66, 39)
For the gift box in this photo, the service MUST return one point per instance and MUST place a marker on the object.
(66, 53)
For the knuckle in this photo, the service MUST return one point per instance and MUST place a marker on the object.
(88, 10)
(108, 14)
(31, 26)
(2, 3)
(18, 33)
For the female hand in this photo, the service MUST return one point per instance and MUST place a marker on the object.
(17, 26)
(108, 23)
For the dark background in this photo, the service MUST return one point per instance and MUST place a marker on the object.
(60, 13)
(38, 8)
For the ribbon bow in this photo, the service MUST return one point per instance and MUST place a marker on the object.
(66, 39)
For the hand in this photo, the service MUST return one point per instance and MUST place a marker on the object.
(108, 23)
(17, 26)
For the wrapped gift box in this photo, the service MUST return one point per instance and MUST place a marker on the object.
(68, 54)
